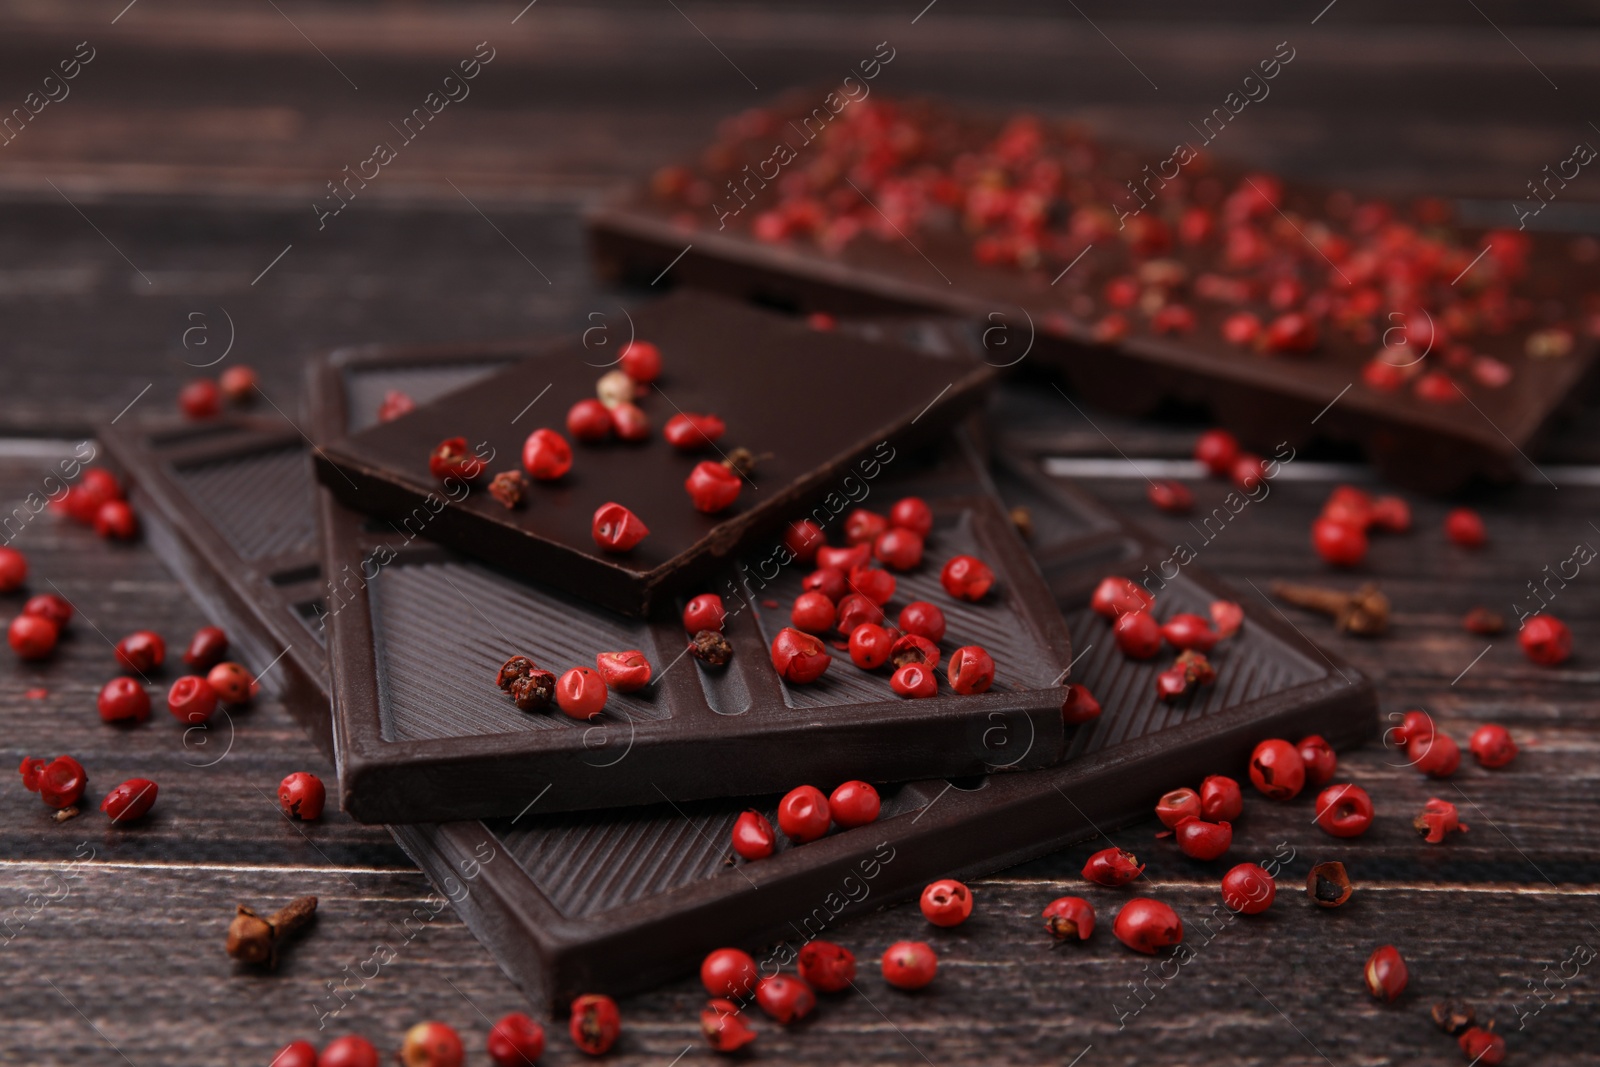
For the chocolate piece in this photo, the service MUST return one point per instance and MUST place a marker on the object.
(620, 901)
(1518, 346)
(817, 409)
(417, 635)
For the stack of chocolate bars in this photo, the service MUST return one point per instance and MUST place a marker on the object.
(395, 588)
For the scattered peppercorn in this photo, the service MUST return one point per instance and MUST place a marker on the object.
(1438, 818)
(1112, 867)
(595, 1024)
(141, 651)
(1069, 917)
(753, 838)
(1328, 884)
(1080, 706)
(827, 967)
(508, 487)
(1386, 973)
(1483, 1045)
(691, 433)
(530, 688)
(1465, 527)
(785, 998)
(854, 804)
(1203, 840)
(946, 902)
(515, 1041)
(1176, 806)
(431, 1044)
(616, 529)
(1492, 746)
(1248, 889)
(724, 1027)
(1277, 770)
(728, 972)
(1546, 640)
(206, 648)
(909, 964)
(803, 814)
(1221, 799)
(1147, 925)
(1453, 1016)
(711, 648)
(301, 795)
(129, 801)
(1344, 810)
(1481, 620)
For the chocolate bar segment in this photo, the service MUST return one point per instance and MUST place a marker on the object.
(1450, 351)
(814, 409)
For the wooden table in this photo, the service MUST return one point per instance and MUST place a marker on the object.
(164, 206)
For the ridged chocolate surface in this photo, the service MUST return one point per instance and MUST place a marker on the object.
(262, 502)
(366, 390)
(434, 684)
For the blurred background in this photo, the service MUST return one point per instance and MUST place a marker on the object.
(162, 207)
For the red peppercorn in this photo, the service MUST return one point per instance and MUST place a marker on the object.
(13, 569)
(49, 606)
(141, 651)
(898, 548)
(856, 611)
(874, 583)
(630, 422)
(1203, 840)
(1069, 917)
(910, 648)
(829, 581)
(1438, 818)
(624, 672)
(844, 560)
(909, 964)
(32, 636)
(59, 782)
(1294, 332)
(296, 1054)
(546, 455)
(1220, 798)
(1492, 746)
(1116, 596)
(923, 619)
(1248, 471)
(395, 404)
(870, 645)
(589, 420)
(301, 795)
(1277, 770)
(431, 1044)
(971, 670)
(798, 657)
(1227, 617)
(1342, 544)
(862, 527)
(581, 693)
(1386, 973)
(206, 648)
(616, 529)
(753, 838)
(691, 433)
(130, 800)
(803, 814)
(1344, 810)
(1414, 726)
(1241, 329)
(1186, 631)
(238, 384)
(451, 457)
(1170, 496)
(966, 578)
(812, 612)
(641, 361)
(348, 1051)
(191, 699)
(1217, 450)
(1392, 514)
(1146, 925)
(1137, 635)
(785, 998)
(116, 521)
(728, 972)
(1112, 867)
(704, 612)
(1319, 758)
(803, 538)
(200, 399)
(912, 513)
(123, 700)
(83, 501)
(914, 680)
(1545, 640)
(1437, 756)
(854, 804)
(1483, 1046)
(596, 1023)
(724, 1027)
(515, 1041)
(1176, 806)
(712, 487)
(1465, 527)
(1249, 889)
(827, 967)
(946, 902)
(232, 683)
(1080, 706)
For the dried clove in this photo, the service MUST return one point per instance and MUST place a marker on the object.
(253, 939)
(1022, 519)
(1364, 613)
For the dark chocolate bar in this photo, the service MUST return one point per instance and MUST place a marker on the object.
(1444, 352)
(814, 409)
(620, 901)
(417, 633)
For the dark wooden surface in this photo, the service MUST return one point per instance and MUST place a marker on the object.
(196, 141)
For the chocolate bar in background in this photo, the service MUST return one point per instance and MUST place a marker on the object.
(621, 901)
(813, 408)
(1082, 288)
